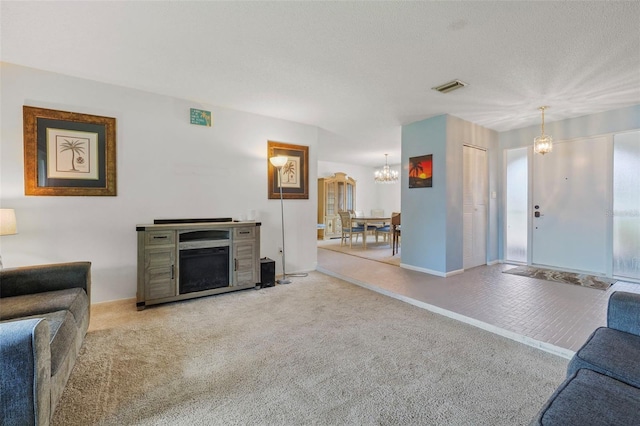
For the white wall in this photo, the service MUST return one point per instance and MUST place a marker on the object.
(604, 123)
(369, 195)
(166, 168)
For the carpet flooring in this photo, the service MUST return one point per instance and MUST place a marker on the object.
(319, 351)
(591, 281)
(379, 251)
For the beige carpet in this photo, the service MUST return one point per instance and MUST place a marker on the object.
(380, 251)
(317, 351)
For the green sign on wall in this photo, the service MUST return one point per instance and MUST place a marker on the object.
(200, 117)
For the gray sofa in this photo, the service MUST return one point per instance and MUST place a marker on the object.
(603, 377)
(44, 316)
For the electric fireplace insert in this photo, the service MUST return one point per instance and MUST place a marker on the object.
(205, 260)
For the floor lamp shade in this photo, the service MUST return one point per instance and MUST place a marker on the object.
(279, 161)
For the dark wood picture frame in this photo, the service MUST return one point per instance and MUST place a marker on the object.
(68, 153)
(296, 186)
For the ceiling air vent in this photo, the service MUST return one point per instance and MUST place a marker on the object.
(450, 86)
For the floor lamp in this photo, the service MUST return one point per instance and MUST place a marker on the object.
(279, 162)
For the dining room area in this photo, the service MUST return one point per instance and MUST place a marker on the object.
(357, 215)
(373, 237)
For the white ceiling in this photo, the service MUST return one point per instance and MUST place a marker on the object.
(357, 70)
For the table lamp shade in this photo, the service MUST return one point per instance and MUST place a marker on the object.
(8, 222)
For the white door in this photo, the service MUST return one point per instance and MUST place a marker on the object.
(475, 195)
(570, 205)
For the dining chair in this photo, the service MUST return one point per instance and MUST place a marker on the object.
(385, 231)
(349, 229)
(382, 228)
(395, 232)
(360, 213)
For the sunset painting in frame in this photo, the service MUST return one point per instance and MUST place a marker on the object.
(421, 171)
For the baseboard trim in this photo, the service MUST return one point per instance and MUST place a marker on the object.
(127, 300)
(431, 271)
(547, 347)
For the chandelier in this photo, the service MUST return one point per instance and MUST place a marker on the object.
(543, 143)
(386, 175)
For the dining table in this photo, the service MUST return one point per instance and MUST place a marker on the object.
(370, 220)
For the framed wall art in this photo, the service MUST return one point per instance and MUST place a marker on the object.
(295, 173)
(421, 171)
(68, 153)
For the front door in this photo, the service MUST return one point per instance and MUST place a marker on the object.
(570, 205)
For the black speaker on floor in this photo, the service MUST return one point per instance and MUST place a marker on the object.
(267, 272)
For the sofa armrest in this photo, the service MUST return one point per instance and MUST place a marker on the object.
(623, 312)
(25, 369)
(43, 278)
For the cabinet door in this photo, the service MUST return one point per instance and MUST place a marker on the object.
(331, 199)
(332, 226)
(159, 273)
(244, 263)
(341, 197)
(350, 196)
(329, 228)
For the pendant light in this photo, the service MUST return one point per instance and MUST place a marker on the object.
(543, 143)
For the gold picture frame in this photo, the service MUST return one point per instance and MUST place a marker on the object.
(295, 183)
(68, 153)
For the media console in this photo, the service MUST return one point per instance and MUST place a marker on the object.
(183, 259)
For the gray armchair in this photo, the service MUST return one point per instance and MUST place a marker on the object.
(44, 316)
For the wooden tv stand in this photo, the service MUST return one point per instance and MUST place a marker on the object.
(162, 248)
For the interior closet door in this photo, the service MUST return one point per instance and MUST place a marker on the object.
(571, 204)
(475, 197)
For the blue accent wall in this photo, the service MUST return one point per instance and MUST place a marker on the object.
(424, 210)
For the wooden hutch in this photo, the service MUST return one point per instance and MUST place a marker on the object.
(335, 193)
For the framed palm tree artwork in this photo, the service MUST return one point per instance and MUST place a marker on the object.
(294, 175)
(421, 171)
(68, 153)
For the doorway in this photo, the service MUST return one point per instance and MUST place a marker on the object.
(577, 208)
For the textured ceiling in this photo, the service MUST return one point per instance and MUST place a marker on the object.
(357, 70)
